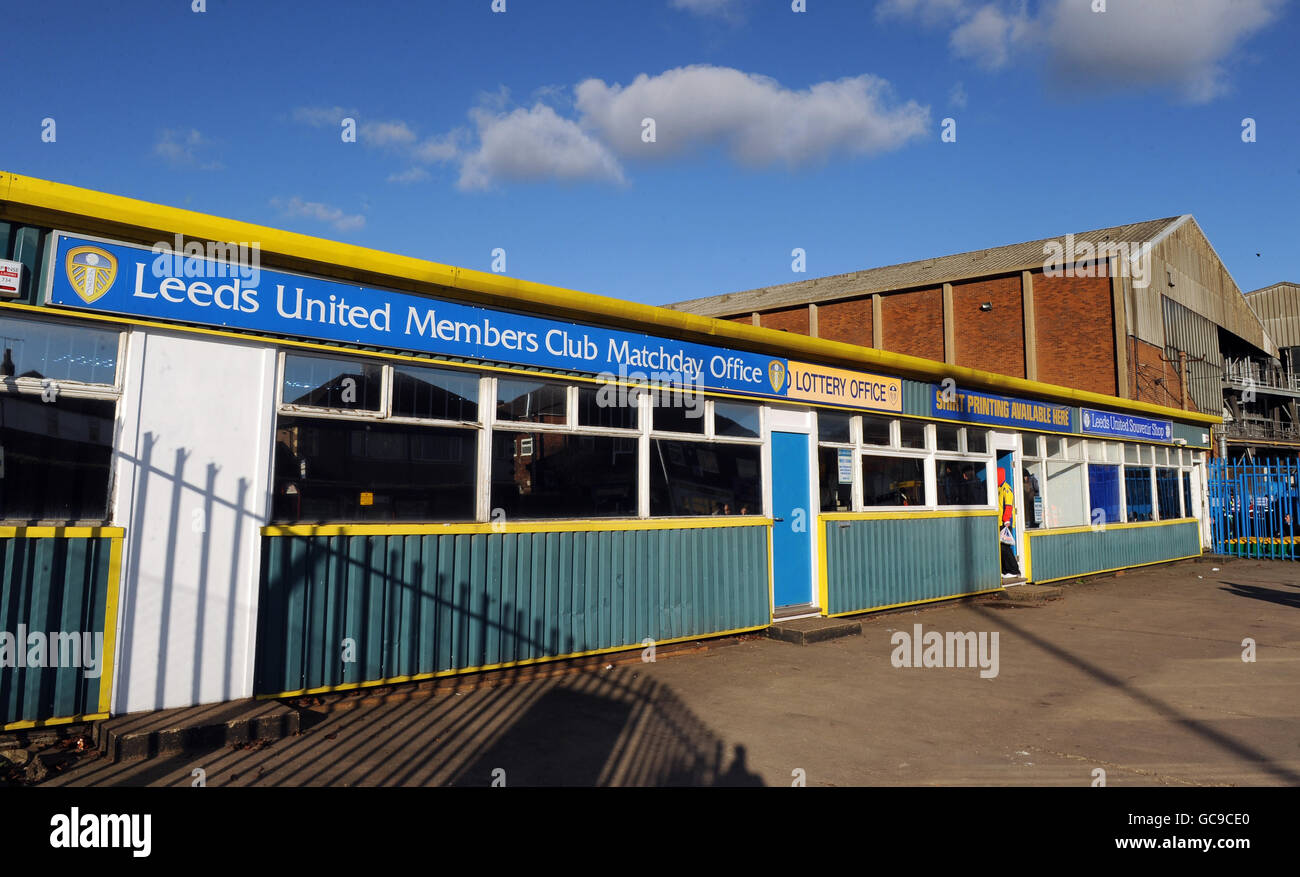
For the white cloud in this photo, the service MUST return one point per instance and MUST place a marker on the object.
(334, 216)
(727, 9)
(410, 175)
(987, 37)
(759, 121)
(1184, 45)
(181, 148)
(957, 98)
(1181, 44)
(386, 134)
(533, 144)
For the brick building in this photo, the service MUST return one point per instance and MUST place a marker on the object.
(1145, 311)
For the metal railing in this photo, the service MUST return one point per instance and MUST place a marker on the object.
(1253, 508)
(1250, 373)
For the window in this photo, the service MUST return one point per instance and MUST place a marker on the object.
(705, 478)
(911, 434)
(434, 394)
(340, 384)
(1065, 494)
(1103, 488)
(563, 475)
(947, 438)
(531, 401)
(961, 482)
(679, 412)
(833, 426)
(1188, 511)
(608, 407)
(836, 492)
(977, 441)
(55, 455)
(344, 454)
(875, 430)
(736, 419)
(340, 470)
(1137, 493)
(1032, 490)
(1167, 494)
(890, 481)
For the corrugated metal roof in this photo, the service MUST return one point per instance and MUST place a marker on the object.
(1278, 307)
(927, 272)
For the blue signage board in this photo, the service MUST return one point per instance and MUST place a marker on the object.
(1128, 426)
(968, 406)
(117, 278)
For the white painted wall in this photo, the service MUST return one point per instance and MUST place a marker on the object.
(192, 489)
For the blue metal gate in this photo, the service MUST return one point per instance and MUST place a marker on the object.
(1253, 508)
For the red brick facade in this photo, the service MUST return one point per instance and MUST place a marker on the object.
(789, 319)
(1151, 379)
(912, 323)
(1075, 332)
(992, 340)
(848, 321)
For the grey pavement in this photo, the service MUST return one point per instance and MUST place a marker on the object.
(1139, 675)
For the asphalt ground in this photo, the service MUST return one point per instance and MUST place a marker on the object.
(1140, 676)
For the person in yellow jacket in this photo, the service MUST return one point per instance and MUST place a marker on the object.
(1007, 524)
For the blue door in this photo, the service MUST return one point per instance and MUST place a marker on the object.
(792, 532)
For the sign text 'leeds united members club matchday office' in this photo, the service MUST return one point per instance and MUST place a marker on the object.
(222, 468)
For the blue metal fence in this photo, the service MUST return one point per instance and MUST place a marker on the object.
(1253, 508)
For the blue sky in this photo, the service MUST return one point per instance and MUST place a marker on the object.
(773, 129)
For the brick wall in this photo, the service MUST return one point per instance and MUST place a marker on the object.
(848, 321)
(790, 319)
(1075, 332)
(912, 323)
(990, 340)
(1146, 368)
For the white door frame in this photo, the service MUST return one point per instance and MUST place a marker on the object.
(1010, 441)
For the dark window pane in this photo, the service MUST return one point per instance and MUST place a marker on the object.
(434, 393)
(679, 412)
(54, 458)
(912, 433)
(1029, 444)
(735, 419)
(531, 401)
(977, 441)
(875, 430)
(610, 406)
(1137, 493)
(961, 482)
(562, 475)
(36, 349)
(1167, 493)
(1187, 494)
(339, 470)
(705, 478)
(836, 497)
(1032, 476)
(946, 437)
(1103, 488)
(892, 481)
(834, 427)
(332, 383)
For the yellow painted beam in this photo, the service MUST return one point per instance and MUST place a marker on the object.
(76, 209)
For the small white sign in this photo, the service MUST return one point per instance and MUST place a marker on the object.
(846, 465)
(11, 278)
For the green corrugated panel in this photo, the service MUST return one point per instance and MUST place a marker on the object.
(51, 585)
(420, 604)
(1192, 434)
(916, 398)
(875, 563)
(1062, 555)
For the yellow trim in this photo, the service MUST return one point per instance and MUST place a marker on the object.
(62, 720)
(77, 209)
(1029, 560)
(417, 677)
(916, 602)
(771, 578)
(1101, 528)
(889, 516)
(823, 571)
(513, 527)
(1097, 572)
(61, 532)
(110, 624)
